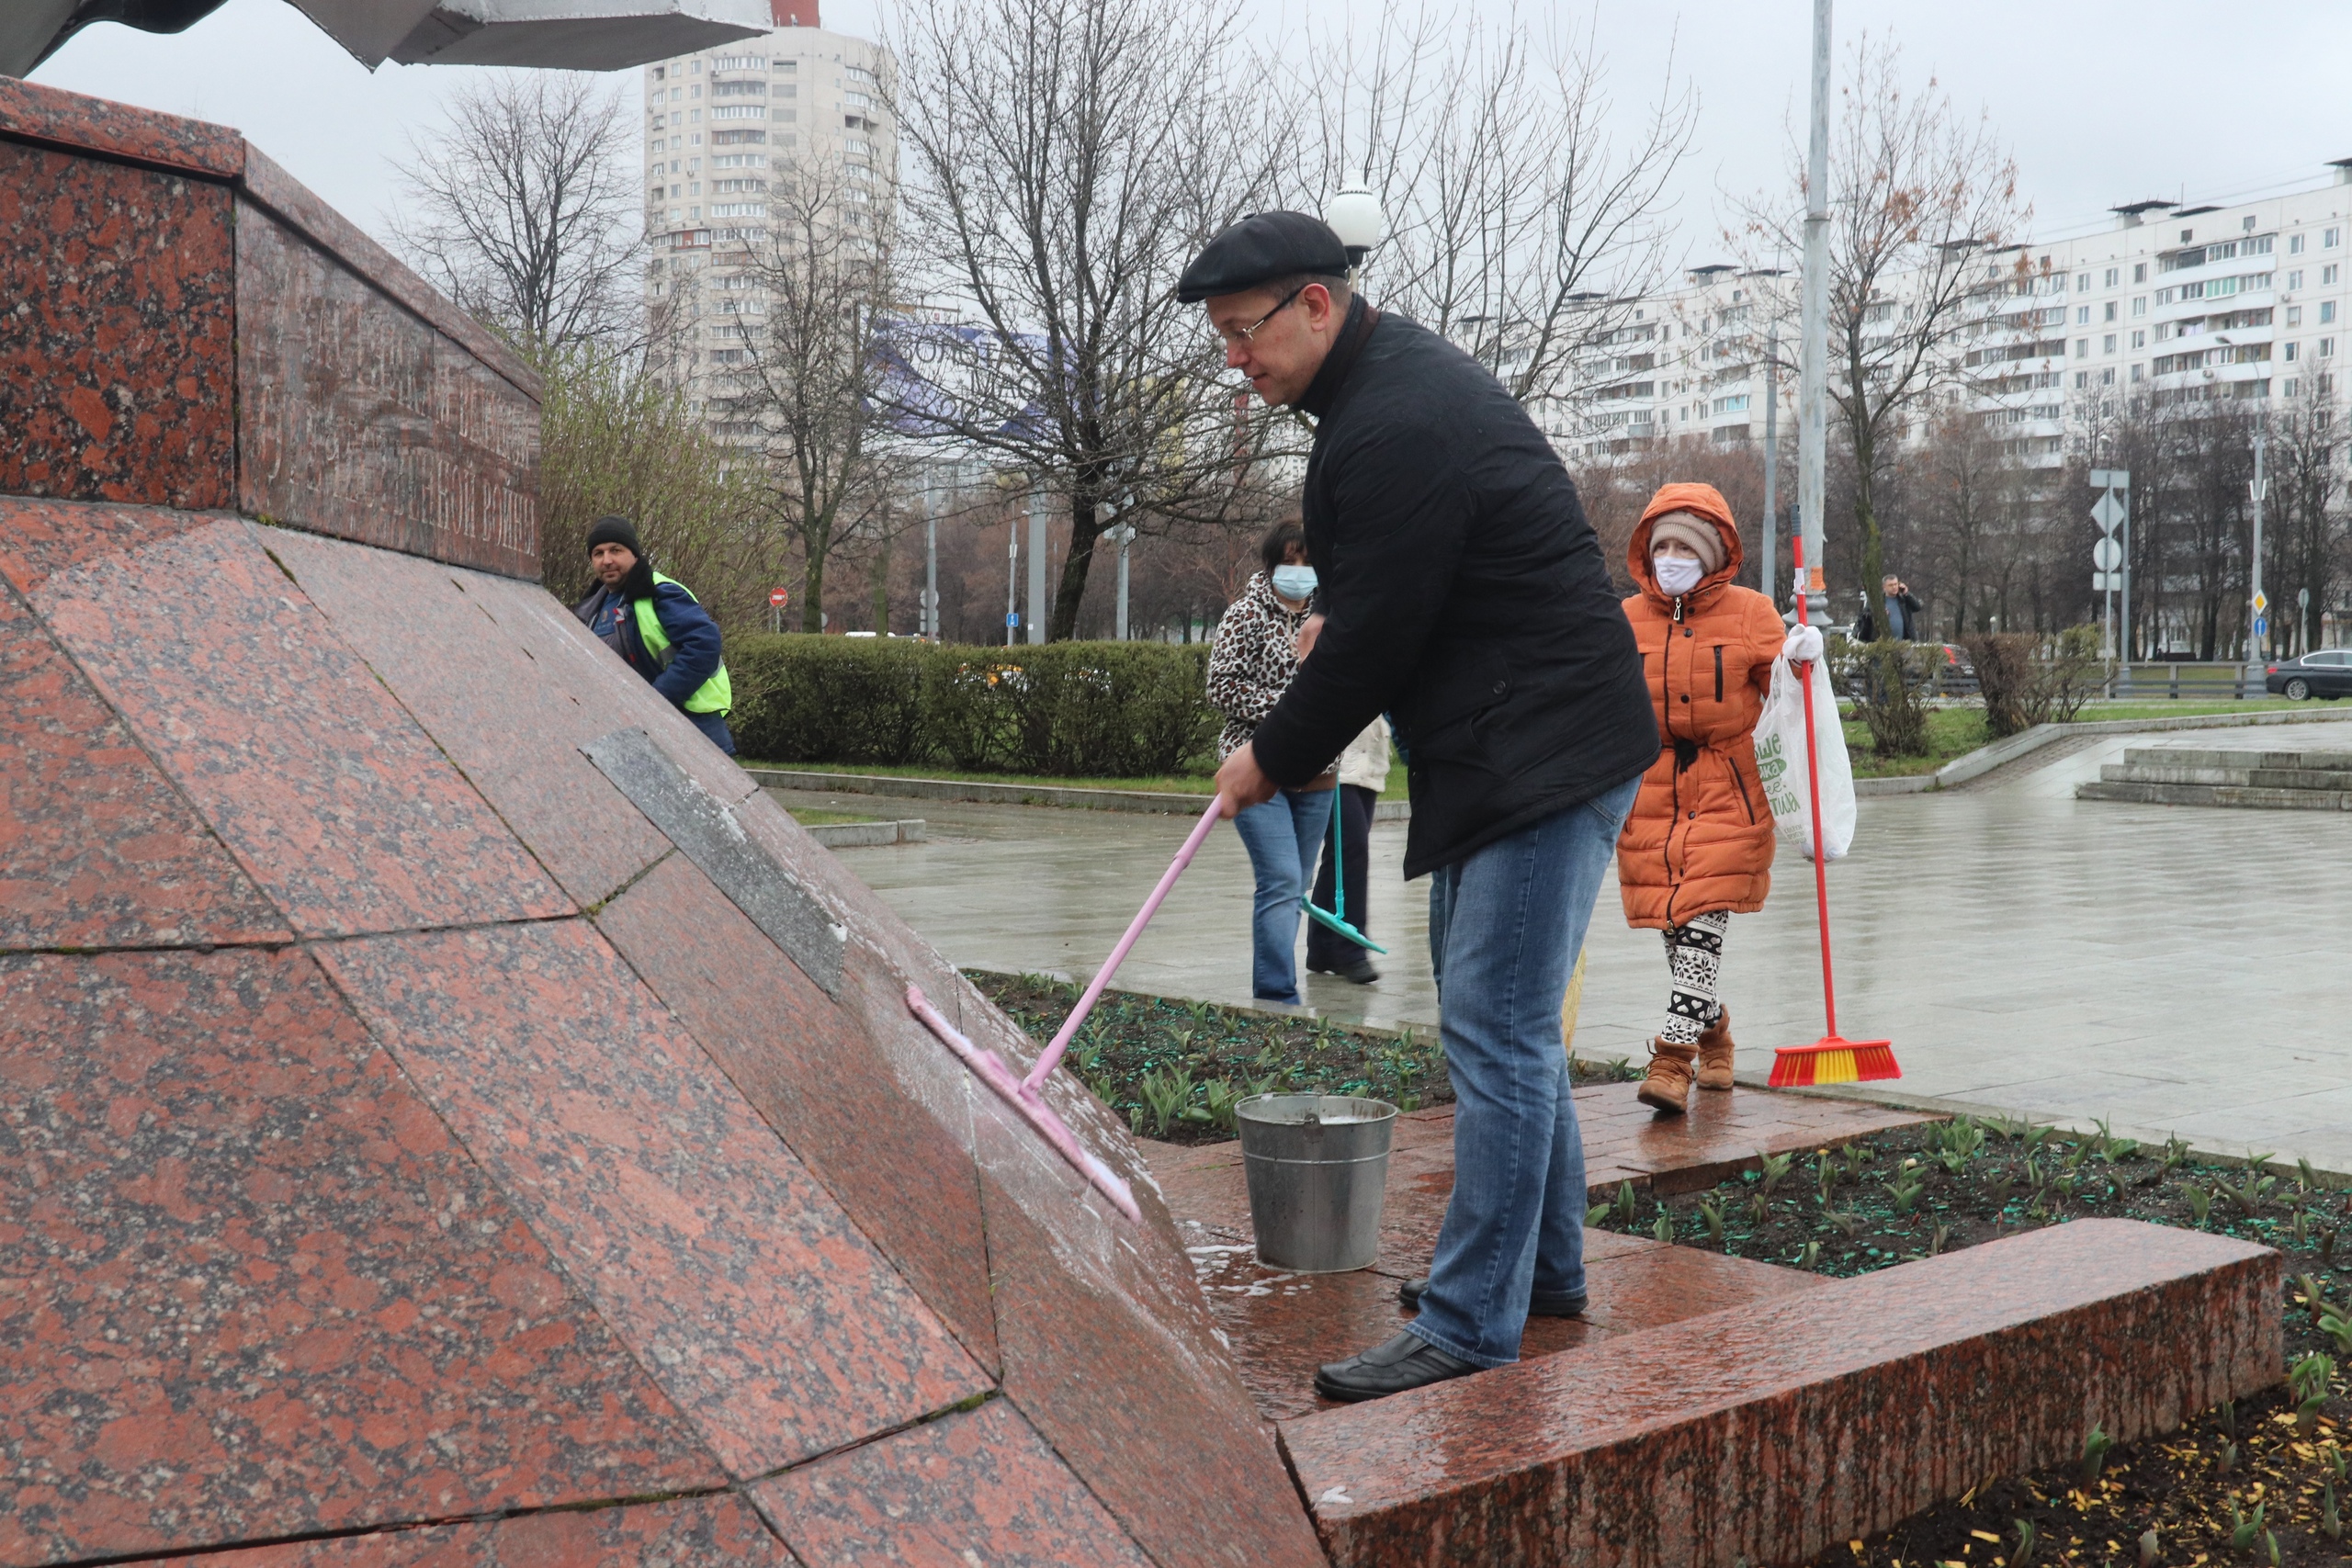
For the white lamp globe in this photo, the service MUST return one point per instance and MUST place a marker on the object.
(1355, 217)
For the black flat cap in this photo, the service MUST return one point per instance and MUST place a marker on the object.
(1261, 247)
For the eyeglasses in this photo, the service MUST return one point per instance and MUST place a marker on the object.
(1249, 332)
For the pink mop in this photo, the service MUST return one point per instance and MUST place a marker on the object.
(1023, 1093)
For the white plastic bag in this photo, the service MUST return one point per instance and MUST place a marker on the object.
(1779, 761)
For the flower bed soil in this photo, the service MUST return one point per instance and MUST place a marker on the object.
(1175, 1070)
(1916, 1190)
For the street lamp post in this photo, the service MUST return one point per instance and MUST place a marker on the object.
(1764, 573)
(1123, 535)
(1812, 354)
(930, 560)
(2259, 488)
(1037, 563)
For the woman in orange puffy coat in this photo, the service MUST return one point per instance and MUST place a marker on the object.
(1698, 847)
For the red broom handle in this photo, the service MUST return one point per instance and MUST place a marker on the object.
(1813, 797)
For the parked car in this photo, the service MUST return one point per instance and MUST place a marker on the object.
(2326, 674)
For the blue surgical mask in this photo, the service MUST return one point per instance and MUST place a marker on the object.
(1295, 582)
(1678, 574)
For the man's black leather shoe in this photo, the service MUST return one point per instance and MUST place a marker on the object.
(1409, 1292)
(1405, 1361)
(1360, 973)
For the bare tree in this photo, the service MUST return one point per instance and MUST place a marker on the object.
(1921, 200)
(522, 207)
(805, 392)
(1066, 159)
(2307, 540)
(1615, 490)
(1974, 496)
(1520, 224)
(613, 439)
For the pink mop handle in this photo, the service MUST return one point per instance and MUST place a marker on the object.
(1060, 1043)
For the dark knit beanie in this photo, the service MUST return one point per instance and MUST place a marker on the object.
(613, 529)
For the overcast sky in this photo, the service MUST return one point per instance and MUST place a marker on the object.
(2102, 101)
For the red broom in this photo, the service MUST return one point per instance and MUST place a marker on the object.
(1832, 1058)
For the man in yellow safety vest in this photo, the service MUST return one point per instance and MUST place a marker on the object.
(659, 627)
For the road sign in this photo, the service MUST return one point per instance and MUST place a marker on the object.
(2105, 582)
(2107, 554)
(776, 597)
(2261, 600)
(1013, 617)
(2111, 479)
(2107, 513)
(2262, 625)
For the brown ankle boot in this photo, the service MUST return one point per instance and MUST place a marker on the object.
(1668, 1087)
(1715, 1052)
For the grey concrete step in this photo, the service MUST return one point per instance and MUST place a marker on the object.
(2235, 757)
(2150, 772)
(2216, 795)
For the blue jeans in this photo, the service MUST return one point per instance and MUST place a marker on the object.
(1508, 921)
(1282, 836)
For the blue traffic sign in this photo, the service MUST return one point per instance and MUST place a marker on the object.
(2261, 626)
(1011, 617)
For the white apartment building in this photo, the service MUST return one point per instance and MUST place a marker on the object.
(723, 129)
(2207, 300)
(1691, 361)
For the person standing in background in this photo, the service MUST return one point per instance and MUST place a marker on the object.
(658, 628)
(1900, 617)
(1698, 845)
(1250, 666)
(1363, 773)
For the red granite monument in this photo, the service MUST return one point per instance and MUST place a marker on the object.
(446, 1114)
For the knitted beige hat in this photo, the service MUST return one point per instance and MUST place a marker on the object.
(1700, 536)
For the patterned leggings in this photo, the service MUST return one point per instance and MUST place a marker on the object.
(1694, 955)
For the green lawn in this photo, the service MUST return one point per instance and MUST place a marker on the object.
(1171, 783)
(1952, 732)
(829, 818)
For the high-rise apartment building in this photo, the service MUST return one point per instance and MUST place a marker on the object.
(727, 132)
(2242, 299)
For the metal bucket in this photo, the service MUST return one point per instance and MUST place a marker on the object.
(1317, 1166)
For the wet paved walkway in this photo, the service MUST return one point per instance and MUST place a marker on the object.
(2167, 968)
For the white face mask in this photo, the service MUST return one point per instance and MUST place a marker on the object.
(1294, 581)
(1678, 574)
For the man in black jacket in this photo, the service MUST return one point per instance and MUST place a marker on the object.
(1463, 593)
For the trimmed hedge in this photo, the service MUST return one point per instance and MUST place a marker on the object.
(1077, 709)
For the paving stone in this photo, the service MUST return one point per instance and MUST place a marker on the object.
(752, 1299)
(250, 1286)
(801, 1060)
(721, 1531)
(978, 1487)
(568, 655)
(499, 712)
(115, 376)
(707, 832)
(1284, 1325)
(396, 434)
(339, 805)
(1111, 1355)
(96, 849)
(1775, 1430)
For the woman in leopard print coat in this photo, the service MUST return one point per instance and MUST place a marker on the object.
(1249, 668)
